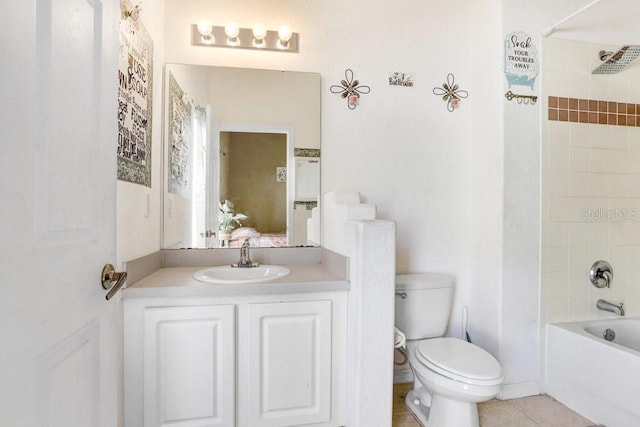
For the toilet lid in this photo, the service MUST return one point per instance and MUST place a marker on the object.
(460, 360)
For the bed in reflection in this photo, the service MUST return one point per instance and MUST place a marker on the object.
(256, 238)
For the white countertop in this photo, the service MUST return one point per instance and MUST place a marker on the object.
(179, 282)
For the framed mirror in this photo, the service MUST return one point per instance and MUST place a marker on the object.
(241, 157)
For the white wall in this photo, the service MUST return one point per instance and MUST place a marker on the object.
(139, 207)
(484, 208)
(463, 187)
(437, 174)
(521, 228)
(249, 98)
(400, 147)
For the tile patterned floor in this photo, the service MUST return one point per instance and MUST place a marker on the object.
(534, 411)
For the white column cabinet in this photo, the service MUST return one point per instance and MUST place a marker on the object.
(260, 361)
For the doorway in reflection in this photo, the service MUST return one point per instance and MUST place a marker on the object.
(253, 177)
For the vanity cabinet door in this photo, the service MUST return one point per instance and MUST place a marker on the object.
(189, 366)
(285, 364)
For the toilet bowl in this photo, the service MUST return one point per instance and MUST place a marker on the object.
(450, 375)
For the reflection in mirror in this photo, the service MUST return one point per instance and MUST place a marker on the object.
(247, 164)
(248, 137)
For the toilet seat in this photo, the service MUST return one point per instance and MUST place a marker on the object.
(460, 361)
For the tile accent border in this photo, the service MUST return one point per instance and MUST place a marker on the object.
(593, 111)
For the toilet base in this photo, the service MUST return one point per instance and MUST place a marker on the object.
(435, 410)
(419, 404)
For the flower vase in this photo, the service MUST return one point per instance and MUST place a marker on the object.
(224, 238)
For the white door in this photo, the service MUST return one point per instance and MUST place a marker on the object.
(284, 364)
(59, 360)
(189, 366)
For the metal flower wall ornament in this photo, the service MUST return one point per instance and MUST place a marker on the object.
(350, 89)
(451, 93)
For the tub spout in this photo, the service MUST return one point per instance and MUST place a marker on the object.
(613, 308)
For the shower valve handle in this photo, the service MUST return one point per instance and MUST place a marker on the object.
(601, 274)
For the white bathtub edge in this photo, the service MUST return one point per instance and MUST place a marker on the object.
(592, 378)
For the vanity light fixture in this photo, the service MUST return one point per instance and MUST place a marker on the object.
(259, 33)
(232, 31)
(206, 31)
(284, 34)
(234, 36)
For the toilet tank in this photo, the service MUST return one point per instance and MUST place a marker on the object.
(423, 304)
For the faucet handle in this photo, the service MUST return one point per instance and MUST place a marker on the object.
(245, 259)
(601, 274)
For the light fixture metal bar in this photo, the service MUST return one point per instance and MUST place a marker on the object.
(244, 40)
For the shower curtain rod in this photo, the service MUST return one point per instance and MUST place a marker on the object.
(547, 31)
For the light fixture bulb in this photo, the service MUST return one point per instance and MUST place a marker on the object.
(204, 28)
(232, 30)
(259, 32)
(284, 33)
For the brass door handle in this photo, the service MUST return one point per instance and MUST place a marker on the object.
(112, 280)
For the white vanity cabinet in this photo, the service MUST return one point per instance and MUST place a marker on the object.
(188, 366)
(285, 364)
(240, 361)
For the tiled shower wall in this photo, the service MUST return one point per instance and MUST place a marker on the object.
(590, 181)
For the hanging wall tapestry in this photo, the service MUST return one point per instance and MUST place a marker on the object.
(179, 154)
(135, 76)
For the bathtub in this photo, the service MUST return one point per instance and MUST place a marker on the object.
(600, 379)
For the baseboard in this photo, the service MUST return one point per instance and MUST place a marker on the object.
(402, 376)
(515, 391)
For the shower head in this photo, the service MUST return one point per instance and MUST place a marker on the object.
(614, 62)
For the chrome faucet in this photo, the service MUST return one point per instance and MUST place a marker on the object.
(245, 260)
(607, 306)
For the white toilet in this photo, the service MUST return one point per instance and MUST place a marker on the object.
(450, 375)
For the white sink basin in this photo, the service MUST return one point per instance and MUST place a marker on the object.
(228, 275)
